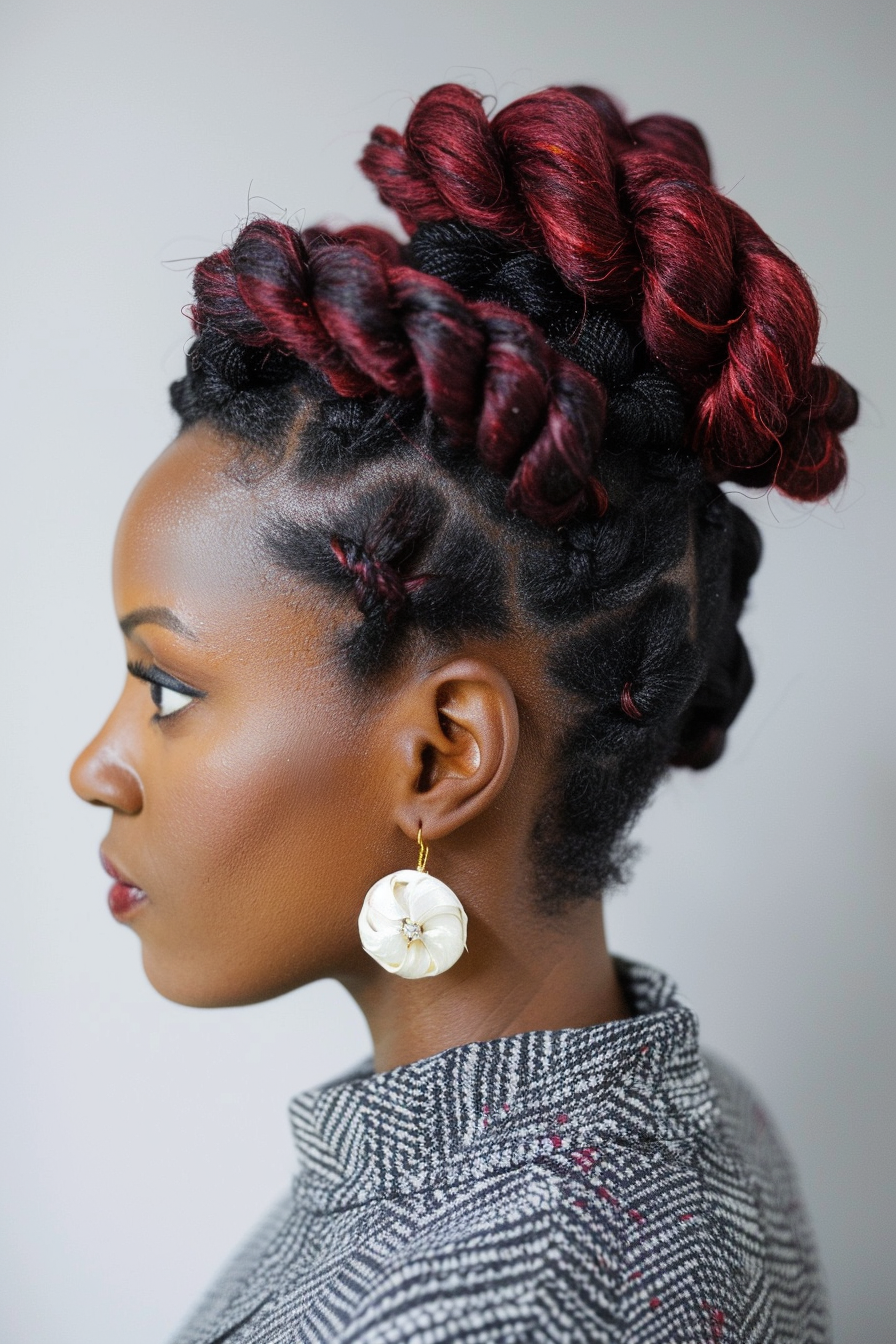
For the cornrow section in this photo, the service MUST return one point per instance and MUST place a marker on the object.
(600, 567)
(628, 217)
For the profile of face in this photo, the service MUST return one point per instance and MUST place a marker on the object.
(256, 791)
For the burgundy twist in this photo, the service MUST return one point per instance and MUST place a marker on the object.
(628, 215)
(345, 304)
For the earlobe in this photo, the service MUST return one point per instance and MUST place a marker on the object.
(462, 735)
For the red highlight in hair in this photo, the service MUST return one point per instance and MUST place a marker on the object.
(340, 303)
(627, 703)
(628, 215)
(376, 582)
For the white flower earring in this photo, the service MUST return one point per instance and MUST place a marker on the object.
(411, 923)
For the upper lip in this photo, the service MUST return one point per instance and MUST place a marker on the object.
(116, 873)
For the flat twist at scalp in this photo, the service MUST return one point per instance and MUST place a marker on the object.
(629, 217)
(377, 559)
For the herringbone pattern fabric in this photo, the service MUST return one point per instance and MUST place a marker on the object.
(606, 1184)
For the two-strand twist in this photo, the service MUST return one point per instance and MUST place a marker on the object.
(346, 305)
(629, 217)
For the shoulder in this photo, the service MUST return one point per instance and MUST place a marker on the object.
(755, 1158)
(604, 1240)
(507, 1258)
(755, 1214)
(590, 1243)
(742, 1117)
(230, 1287)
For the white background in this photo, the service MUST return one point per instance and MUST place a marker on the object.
(139, 1139)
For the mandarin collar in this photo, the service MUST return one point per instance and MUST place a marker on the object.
(492, 1105)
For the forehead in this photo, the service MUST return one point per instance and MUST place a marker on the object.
(192, 536)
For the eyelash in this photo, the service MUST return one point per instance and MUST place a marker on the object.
(159, 681)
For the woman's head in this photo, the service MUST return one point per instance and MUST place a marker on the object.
(442, 542)
(255, 786)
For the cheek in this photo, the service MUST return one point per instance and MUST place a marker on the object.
(254, 845)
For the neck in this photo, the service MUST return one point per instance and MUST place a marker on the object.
(532, 972)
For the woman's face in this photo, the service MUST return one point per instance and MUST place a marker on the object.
(250, 804)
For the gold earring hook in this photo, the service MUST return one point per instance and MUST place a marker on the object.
(423, 851)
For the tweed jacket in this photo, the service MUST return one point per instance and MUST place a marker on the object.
(603, 1184)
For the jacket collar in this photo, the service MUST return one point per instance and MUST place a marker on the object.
(473, 1110)
(492, 1104)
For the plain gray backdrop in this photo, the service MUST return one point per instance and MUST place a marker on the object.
(140, 1140)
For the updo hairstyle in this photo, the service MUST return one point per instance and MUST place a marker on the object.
(519, 420)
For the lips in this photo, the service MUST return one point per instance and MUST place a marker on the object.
(124, 897)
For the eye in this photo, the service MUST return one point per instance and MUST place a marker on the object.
(168, 694)
(168, 701)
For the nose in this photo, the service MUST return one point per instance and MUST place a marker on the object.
(103, 776)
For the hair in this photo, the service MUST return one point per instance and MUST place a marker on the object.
(522, 417)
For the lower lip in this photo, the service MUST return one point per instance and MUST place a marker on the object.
(123, 898)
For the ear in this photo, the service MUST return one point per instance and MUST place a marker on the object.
(458, 732)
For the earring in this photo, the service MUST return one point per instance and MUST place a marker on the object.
(411, 923)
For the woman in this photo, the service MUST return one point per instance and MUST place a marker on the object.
(440, 558)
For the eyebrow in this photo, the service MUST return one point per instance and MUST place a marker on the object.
(163, 616)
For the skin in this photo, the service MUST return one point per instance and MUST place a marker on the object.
(256, 817)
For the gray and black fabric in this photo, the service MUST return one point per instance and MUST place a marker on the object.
(599, 1184)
